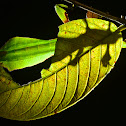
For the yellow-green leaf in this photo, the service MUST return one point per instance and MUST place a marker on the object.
(86, 51)
(124, 44)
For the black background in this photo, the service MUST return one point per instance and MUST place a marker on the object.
(35, 19)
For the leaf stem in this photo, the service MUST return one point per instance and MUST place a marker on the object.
(103, 14)
(121, 28)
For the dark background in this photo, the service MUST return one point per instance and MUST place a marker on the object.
(35, 19)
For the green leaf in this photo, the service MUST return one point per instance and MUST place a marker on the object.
(86, 51)
(124, 44)
(21, 52)
(61, 12)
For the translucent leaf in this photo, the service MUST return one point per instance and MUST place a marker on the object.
(21, 52)
(124, 44)
(61, 12)
(86, 51)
